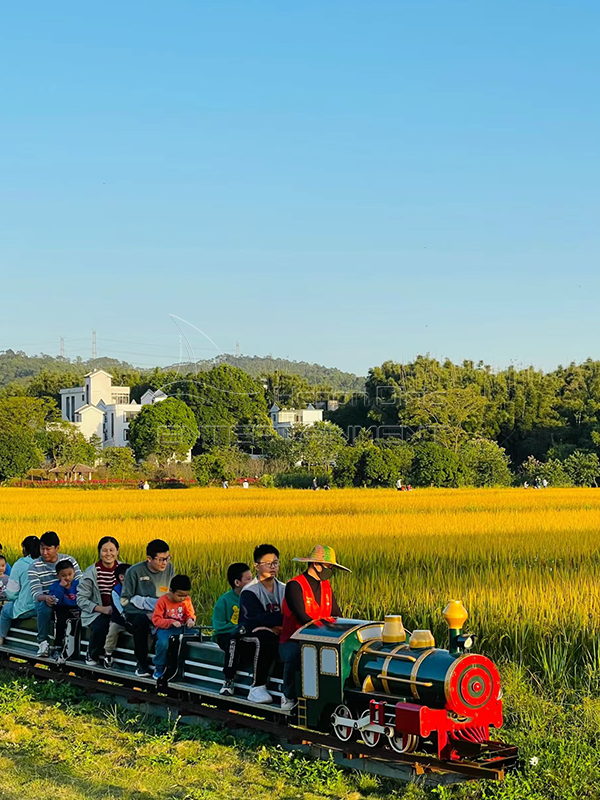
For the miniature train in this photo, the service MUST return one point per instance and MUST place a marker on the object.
(370, 688)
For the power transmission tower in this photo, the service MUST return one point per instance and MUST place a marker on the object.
(62, 346)
(237, 349)
(94, 349)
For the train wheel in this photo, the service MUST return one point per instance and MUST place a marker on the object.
(370, 738)
(406, 743)
(343, 732)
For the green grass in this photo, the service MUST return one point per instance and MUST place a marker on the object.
(54, 743)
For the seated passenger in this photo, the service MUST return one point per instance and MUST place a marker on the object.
(261, 618)
(117, 620)
(64, 590)
(144, 583)
(226, 619)
(42, 573)
(3, 579)
(94, 597)
(20, 603)
(8, 567)
(307, 597)
(173, 613)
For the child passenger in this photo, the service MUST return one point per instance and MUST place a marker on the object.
(65, 606)
(117, 620)
(225, 621)
(172, 614)
(3, 579)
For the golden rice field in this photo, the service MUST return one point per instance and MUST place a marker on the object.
(525, 563)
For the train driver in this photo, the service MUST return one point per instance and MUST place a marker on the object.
(307, 597)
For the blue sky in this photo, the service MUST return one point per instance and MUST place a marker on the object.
(341, 182)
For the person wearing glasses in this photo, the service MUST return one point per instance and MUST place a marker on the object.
(144, 584)
(261, 618)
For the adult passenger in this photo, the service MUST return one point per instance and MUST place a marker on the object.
(94, 597)
(20, 602)
(308, 597)
(261, 618)
(42, 573)
(144, 583)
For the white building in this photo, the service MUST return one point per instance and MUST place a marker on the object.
(103, 409)
(283, 420)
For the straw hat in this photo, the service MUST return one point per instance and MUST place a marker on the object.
(322, 554)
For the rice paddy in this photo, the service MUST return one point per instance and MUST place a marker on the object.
(525, 563)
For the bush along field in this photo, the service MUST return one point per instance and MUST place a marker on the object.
(525, 564)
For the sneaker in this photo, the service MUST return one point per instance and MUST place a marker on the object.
(227, 688)
(109, 661)
(43, 650)
(143, 672)
(158, 673)
(90, 662)
(259, 694)
(288, 703)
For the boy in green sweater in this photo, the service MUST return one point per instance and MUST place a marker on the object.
(225, 621)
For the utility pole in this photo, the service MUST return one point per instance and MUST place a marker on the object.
(62, 346)
(94, 349)
(237, 349)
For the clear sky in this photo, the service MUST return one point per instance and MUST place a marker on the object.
(341, 182)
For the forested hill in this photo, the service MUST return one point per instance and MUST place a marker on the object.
(257, 366)
(16, 367)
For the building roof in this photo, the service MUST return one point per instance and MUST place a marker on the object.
(98, 372)
(73, 468)
(73, 389)
(87, 407)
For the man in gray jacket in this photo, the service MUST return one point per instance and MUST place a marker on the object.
(41, 574)
(144, 584)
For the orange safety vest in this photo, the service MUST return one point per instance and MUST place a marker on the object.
(314, 610)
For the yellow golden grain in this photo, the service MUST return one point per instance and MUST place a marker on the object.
(526, 563)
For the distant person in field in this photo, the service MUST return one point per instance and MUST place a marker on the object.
(117, 620)
(141, 485)
(20, 603)
(308, 597)
(226, 620)
(245, 484)
(94, 597)
(315, 485)
(399, 485)
(64, 589)
(144, 584)
(261, 618)
(545, 483)
(146, 485)
(226, 484)
(173, 615)
(42, 573)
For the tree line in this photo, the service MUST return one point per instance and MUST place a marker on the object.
(426, 422)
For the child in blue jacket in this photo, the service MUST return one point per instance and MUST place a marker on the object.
(65, 606)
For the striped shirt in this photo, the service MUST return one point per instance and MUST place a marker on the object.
(106, 581)
(43, 573)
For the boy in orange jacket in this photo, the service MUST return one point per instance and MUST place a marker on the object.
(173, 613)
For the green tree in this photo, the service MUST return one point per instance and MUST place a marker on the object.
(434, 465)
(486, 464)
(583, 468)
(119, 462)
(22, 422)
(166, 430)
(318, 444)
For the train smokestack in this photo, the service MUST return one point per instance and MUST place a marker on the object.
(393, 629)
(455, 615)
